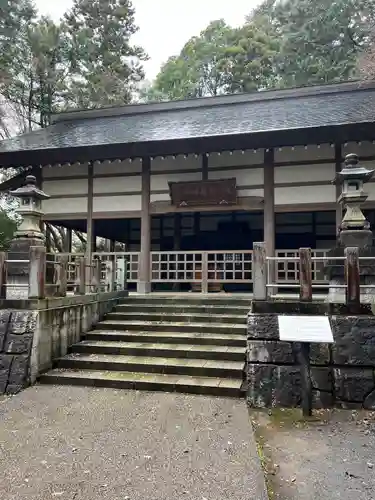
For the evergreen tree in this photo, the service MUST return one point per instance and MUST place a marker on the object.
(106, 66)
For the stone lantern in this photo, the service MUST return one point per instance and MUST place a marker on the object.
(354, 231)
(30, 209)
(27, 235)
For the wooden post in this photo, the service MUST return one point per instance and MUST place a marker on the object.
(259, 271)
(62, 276)
(204, 167)
(269, 212)
(81, 276)
(338, 161)
(111, 273)
(305, 275)
(3, 275)
(306, 382)
(90, 209)
(37, 272)
(176, 244)
(144, 278)
(204, 272)
(352, 277)
(68, 241)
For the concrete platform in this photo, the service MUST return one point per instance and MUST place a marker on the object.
(88, 444)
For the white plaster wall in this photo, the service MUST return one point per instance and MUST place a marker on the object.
(68, 187)
(307, 194)
(160, 182)
(250, 192)
(117, 203)
(65, 171)
(300, 153)
(365, 148)
(58, 206)
(180, 163)
(244, 177)
(121, 168)
(305, 173)
(237, 158)
(126, 184)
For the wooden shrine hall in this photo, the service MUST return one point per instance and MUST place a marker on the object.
(204, 177)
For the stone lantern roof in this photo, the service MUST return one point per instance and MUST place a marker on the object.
(353, 171)
(30, 190)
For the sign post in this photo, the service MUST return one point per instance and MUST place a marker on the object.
(306, 330)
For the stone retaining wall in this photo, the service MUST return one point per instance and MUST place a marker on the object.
(34, 333)
(343, 373)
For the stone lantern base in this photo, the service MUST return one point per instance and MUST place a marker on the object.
(335, 269)
(18, 272)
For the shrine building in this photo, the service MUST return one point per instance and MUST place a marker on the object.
(202, 175)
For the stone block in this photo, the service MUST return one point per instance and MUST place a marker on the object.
(14, 389)
(271, 386)
(320, 354)
(322, 379)
(354, 340)
(5, 364)
(353, 384)
(22, 322)
(262, 327)
(369, 403)
(4, 324)
(18, 344)
(322, 399)
(19, 371)
(274, 352)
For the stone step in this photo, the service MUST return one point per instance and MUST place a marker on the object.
(177, 366)
(145, 349)
(183, 308)
(193, 299)
(169, 326)
(231, 339)
(142, 381)
(177, 317)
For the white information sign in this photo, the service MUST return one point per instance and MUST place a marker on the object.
(305, 329)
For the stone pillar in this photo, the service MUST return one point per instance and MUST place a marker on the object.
(28, 235)
(269, 212)
(144, 278)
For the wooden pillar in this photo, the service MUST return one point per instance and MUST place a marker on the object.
(269, 212)
(90, 209)
(68, 241)
(204, 167)
(338, 161)
(269, 202)
(144, 278)
(176, 243)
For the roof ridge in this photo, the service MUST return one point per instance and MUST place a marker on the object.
(212, 101)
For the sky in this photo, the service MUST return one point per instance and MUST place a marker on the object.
(166, 25)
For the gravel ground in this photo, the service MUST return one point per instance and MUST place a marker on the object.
(86, 444)
(330, 459)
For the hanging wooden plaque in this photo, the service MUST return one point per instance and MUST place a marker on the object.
(203, 193)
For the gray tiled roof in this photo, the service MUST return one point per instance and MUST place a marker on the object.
(259, 112)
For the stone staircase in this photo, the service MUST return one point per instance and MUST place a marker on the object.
(189, 344)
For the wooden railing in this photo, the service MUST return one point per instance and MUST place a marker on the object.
(304, 264)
